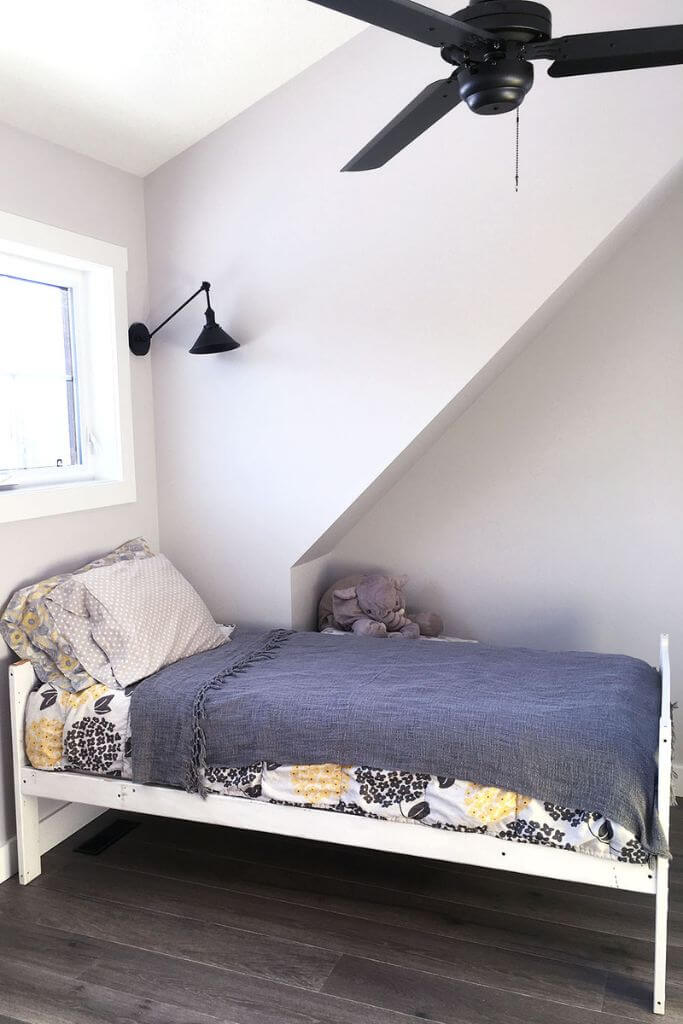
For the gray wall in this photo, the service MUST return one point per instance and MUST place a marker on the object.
(550, 514)
(364, 302)
(47, 183)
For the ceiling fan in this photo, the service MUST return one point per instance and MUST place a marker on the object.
(491, 44)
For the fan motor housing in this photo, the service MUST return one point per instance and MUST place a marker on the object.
(499, 82)
(495, 87)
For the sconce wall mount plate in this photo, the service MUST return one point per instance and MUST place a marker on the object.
(139, 339)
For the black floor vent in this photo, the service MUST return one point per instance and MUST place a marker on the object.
(101, 841)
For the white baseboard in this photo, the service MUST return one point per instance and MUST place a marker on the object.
(54, 829)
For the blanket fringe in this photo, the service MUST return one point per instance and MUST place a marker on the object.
(195, 775)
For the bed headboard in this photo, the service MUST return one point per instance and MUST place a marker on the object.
(22, 679)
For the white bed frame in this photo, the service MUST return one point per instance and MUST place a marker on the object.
(455, 847)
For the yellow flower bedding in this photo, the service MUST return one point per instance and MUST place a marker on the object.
(89, 731)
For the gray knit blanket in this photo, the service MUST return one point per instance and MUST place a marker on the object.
(575, 729)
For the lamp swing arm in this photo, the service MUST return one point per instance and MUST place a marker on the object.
(205, 286)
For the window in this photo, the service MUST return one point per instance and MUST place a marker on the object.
(40, 412)
(65, 418)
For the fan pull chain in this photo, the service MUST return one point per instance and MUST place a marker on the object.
(517, 152)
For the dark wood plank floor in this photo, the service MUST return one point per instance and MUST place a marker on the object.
(186, 924)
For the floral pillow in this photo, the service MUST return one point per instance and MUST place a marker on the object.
(28, 628)
(66, 604)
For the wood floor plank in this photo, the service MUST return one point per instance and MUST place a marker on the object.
(516, 895)
(632, 998)
(488, 925)
(505, 969)
(64, 952)
(447, 1001)
(259, 955)
(180, 983)
(43, 947)
(37, 996)
(215, 991)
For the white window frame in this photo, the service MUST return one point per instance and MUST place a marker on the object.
(97, 270)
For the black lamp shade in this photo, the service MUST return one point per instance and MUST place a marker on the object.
(213, 338)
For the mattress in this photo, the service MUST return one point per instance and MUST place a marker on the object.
(90, 732)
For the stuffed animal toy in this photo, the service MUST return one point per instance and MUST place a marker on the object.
(374, 605)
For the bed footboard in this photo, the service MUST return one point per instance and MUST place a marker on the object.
(663, 810)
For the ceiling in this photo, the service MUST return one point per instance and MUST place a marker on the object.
(134, 82)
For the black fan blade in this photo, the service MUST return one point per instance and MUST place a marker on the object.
(597, 52)
(424, 111)
(413, 20)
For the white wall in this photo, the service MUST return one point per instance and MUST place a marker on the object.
(550, 513)
(47, 183)
(364, 302)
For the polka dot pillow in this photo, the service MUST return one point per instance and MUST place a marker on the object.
(142, 615)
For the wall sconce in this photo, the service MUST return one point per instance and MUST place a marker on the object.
(212, 339)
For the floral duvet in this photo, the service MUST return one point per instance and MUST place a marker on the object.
(89, 731)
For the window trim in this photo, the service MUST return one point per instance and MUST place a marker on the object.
(105, 265)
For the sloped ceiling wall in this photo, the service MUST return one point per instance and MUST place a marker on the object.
(549, 514)
(365, 303)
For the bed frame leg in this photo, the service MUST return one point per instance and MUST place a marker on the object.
(28, 837)
(661, 916)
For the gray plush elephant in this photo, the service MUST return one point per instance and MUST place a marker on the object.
(373, 605)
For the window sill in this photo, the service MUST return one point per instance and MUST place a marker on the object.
(36, 479)
(58, 499)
